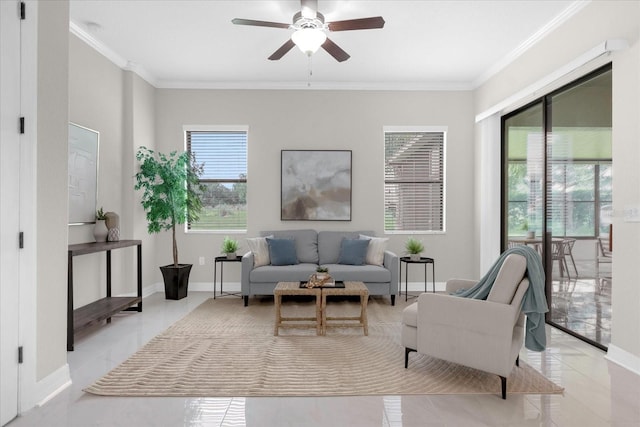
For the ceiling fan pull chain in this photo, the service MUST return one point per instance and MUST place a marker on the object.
(310, 71)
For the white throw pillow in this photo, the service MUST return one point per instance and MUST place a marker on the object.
(260, 249)
(375, 252)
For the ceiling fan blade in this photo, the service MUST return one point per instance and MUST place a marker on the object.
(240, 21)
(357, 24)
(309, 8)
(335, 51)
(286, 47)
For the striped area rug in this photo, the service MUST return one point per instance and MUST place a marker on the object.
(223, 349)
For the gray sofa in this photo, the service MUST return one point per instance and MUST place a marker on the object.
(315, 248)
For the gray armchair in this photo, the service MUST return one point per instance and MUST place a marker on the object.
(482, 334)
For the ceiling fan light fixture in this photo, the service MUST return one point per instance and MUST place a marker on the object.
(309, 40)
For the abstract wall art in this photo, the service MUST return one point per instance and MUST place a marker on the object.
(316, 185)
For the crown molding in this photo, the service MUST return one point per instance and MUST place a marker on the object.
(303, 85)
(127, 65)
(563, 17)
(111, 55)
(553, 80)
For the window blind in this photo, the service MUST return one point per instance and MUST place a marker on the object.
(414, 181)
(224, 155)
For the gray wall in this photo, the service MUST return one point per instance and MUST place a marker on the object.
(52, 143)
(351, 120)
(594, 24)
(119, 105)
(129, 113)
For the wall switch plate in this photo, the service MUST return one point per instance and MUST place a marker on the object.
(201, 260)
(632, 213)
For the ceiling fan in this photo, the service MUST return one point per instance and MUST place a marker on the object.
(310, 31)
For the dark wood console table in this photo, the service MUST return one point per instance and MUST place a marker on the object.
(103, 308)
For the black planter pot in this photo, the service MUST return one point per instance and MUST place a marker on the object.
(176, 280)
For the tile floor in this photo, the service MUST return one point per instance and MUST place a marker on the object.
(582, 303)
(597, 392)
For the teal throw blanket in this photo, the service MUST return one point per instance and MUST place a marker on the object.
(534, 303)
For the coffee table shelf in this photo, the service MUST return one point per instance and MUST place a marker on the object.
(321, 321)
(293, 288)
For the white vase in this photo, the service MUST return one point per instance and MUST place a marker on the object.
(100, 231)
(414, 257)
(114, 234)
(232, 255)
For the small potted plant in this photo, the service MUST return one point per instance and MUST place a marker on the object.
(229, 247)
(414, 248)
(100, 230)
(322, 273)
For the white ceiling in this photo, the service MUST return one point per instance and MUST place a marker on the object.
(423, 45)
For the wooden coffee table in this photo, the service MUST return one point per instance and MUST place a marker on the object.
(350, 289)
(293, 288)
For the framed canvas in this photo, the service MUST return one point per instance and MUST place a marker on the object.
(316, 185)
(83, 174)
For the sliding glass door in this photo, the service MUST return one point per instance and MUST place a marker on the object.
(557, 198)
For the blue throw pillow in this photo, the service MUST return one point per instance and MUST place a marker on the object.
(282, 251)
(353, 251)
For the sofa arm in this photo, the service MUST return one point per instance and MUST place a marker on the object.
(391, 262)
(247, 266)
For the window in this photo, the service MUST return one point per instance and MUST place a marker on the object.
(580, 198)
(224, 154)
(414, 180)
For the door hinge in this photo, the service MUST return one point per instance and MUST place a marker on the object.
(21, 125)
(21, 240)
(23, 10)
(20, 355)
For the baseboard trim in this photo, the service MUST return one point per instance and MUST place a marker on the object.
(235, 287)
(419, 286)
(623, 358)
(52, 385)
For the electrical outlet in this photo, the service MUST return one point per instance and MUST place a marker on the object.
(201, 260)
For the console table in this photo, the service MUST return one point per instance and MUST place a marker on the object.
(103, 308)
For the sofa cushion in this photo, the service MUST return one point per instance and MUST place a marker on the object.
(375, 251)
(508, 279)
(329, 244)
(289, 273)
(306, 243)
(282, 251)
(359, 273)
(353, 251)
(260, 249)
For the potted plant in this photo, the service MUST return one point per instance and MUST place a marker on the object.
(100, 230)
(322, 273)
(530, 232)
(414, 248)
(229, 247)
(171, 194)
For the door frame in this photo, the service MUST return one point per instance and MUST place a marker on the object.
(546, 234)
(10, 151)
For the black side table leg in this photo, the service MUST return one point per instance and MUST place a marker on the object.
(425, 277)
(406, 281)
(433, 275)
(215, 264)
